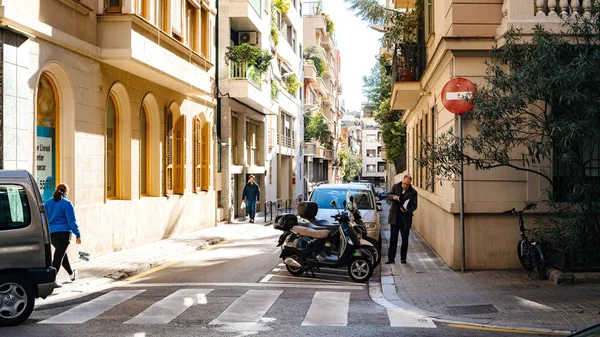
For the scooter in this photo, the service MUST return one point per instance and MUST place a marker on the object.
(307, 246)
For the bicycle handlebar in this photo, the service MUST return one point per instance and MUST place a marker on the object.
(510, 211)
(528, 206)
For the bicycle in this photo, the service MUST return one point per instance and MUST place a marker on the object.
(530, 252)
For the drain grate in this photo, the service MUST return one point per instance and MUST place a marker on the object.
(473, 309)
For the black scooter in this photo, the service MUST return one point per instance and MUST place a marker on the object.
(308, 245)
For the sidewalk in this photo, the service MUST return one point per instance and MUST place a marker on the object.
(103, 271)
(508, 298)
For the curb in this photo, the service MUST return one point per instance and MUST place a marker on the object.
(388, 291)
(560, 278)
(96, 284)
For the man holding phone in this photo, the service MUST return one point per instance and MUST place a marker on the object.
(404, 202)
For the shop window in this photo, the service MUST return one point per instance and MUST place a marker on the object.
(46, 168)
(112, 147)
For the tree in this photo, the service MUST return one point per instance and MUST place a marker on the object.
(315, 127)
(351, 165)
(538, 110)
(377, 90)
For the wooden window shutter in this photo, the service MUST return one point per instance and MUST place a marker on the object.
(197, 155)
(183, 152)
(205, 158)
(169, 153)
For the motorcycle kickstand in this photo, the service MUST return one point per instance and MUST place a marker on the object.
(311, 270)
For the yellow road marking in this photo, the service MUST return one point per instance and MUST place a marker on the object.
(475, 327)
(169, 264)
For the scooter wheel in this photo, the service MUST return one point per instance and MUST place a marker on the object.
(293, 270)
(360, 269)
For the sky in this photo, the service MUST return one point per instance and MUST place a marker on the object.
(359, 46)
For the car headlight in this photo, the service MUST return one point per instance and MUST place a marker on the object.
(371, 225)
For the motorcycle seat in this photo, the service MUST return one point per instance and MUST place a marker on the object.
(311, 233)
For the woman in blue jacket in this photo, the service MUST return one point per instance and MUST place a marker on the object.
(62, 222)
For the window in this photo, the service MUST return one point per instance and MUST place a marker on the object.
(191, 36)
(380, 167)
(47, 137)
(144, 151)
(371, 168)
(112, 6)
(197, 154)
(429, 18)
(142, 8)
(205, 157)
(234, 140)
(371, 153)
(14, 208)
(162, 15)
(323, 198)
(179, 167)
(205, 31)
(169, 153)
(112, 145)
(252, 143)
(176, 20)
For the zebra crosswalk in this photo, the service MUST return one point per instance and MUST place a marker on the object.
(327, 308)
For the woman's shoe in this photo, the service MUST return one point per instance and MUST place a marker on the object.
(74, 275)
(57, 285)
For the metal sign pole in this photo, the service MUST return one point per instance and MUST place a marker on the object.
(462, 197)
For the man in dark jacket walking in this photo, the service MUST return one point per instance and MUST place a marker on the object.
(251, 196)
(404, 202)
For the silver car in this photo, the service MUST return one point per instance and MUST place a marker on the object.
(25, 255)
(365, 202)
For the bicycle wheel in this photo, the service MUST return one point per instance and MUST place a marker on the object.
(525, 255)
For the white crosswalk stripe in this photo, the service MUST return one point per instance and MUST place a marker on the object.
(328, 309)
(92, 309)
(167, 309)
(249, 308)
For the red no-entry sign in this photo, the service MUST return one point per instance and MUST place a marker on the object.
(457, 95)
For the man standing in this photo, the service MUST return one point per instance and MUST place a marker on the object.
(251, 196)
(404, 203)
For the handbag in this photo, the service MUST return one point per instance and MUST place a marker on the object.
(243, 205)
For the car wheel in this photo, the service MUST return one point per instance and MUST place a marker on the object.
(16, 299)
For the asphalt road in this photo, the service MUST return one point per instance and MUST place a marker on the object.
(238, 288)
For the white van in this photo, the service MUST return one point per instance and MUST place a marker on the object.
(25, 254)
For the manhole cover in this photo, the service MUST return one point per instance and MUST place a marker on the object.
(473, 309)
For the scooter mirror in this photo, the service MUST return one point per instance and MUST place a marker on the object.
(333, 204)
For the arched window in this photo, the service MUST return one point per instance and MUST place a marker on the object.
(205, 157)
(144, 141)
(47, 136)
(179, 156)
(112, 147)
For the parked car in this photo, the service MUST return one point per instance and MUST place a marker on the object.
(365, 201)
(381, 192)
(593, 331)
(25, 258)
(369, 185)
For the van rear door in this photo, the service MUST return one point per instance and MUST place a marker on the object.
(23, 234)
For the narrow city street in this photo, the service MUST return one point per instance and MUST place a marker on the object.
(235, 288)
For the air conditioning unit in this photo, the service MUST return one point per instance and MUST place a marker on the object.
(250, 38)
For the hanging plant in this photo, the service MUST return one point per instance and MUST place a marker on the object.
(277, 6)
(282, 6)
(251, 55)
(311, 54)
(329, 26)
(291, 84)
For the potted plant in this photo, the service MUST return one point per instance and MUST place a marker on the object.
(246, 55)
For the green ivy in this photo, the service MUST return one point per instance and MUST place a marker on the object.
(245, 53)
(282, 6)
(292, 85)
(277, 6)
(274, 91)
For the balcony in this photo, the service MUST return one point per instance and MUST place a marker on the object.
(246, 85)
(246, 15)
(526, 14)
(287, 145)
(310, 72)
(327, 42)
(132, 44)
(319, 86)
(314, 149)
(406, 74)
